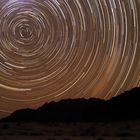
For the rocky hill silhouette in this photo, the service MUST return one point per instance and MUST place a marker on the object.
(123, 107)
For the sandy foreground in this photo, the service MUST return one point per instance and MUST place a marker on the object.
(129, 130)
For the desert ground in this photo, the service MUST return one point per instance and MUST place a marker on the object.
(129, 130)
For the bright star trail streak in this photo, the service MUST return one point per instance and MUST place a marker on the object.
(58, 49)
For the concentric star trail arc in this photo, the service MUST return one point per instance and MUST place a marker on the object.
(58, 49)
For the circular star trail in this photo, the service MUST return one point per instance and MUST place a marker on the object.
(56, 49)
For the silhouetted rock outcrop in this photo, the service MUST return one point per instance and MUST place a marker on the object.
(123, 107)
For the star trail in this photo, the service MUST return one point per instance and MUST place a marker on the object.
(58, 49)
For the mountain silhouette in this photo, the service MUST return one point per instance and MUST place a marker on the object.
(122, 107)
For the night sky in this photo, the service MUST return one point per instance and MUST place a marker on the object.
(58, 49)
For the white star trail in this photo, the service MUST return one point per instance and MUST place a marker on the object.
(58, 49)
